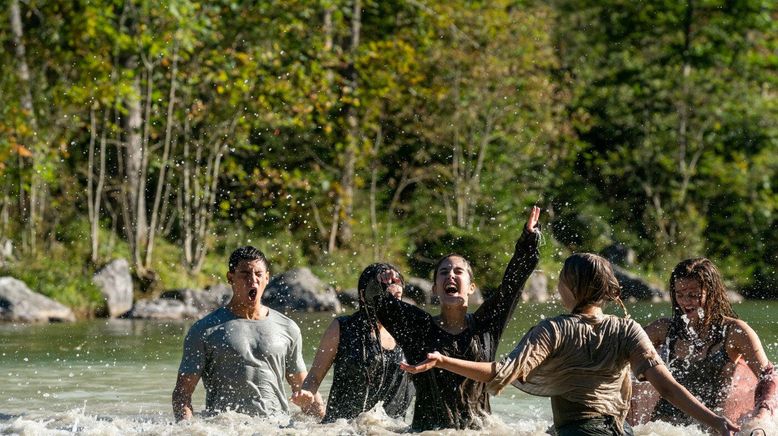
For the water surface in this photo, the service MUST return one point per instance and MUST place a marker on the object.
(116, 377)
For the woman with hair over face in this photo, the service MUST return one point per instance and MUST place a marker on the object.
(444, 399)
(366, 357)
(582, 359)
(704, 342)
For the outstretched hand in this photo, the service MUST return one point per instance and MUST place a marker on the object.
(433, 360)
(532, 220)
(303, 399)
(726, 427)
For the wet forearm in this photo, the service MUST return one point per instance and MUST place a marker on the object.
(478, 371)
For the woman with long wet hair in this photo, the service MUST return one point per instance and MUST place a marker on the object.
(704, 342)
(366, 357)
(445, 399)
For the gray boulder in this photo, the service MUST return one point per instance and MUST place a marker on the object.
(300, 289)
(162, 309)
(115, 283)
(19, 304)
(182, 303)
(619, 254)
(734, 297)
(202, 301)
(536, 288)
(634, 287)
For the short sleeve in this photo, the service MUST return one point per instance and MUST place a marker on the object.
(642, 354)
(294, 357)
(193, 359)
(529, 353)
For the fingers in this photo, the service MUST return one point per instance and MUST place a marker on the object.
(415, 369)
(532, 220)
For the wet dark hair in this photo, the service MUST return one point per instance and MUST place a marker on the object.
(371, 273)
(591, 280)
(443, 259)
(246, 254)
(716, 305)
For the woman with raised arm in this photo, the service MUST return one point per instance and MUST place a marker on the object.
(443, 399)
(366, 357)
(582, 359)
(704, 342)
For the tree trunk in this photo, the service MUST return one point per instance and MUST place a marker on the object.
(28, 217)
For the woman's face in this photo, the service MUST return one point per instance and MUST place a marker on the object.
(453, 285)
(690, 297)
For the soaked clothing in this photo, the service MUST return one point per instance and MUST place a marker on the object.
(582, 363)
(366, 374)
(243, 362)
(445, 399)
(600, 426)
(706, 372)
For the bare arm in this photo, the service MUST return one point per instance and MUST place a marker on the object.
(478, 371)
(306, 397)
(657, 331)
(676, 394)
(743, 342)
(182, 395)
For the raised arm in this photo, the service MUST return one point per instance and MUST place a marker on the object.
(306, 397)
(182, 395)
(665, 384)
(496, 310)
(405, 322)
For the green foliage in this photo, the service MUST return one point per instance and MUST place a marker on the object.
(652, 124)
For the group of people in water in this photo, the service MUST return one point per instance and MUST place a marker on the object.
(391, 351)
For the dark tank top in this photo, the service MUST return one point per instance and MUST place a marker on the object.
(364, 375)
(707, 378)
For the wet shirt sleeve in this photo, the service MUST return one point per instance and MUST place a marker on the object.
(294, 358)
(641, 349)
(496, 310)
(530, 352)
(193, 359)
(407, 324)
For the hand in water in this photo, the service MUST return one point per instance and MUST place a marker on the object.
(726, 427)
(433, 359)
(303, 399)
(532, 220)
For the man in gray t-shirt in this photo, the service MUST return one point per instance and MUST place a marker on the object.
(242, 351)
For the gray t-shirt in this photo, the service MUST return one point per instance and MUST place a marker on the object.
(243, 362)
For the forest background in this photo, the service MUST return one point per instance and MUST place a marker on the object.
(333, 133)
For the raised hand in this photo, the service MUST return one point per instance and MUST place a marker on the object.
(391, 279)
(433, 359)
(532, 220)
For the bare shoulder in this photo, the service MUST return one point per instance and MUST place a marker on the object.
(657, 330)
(739, 330)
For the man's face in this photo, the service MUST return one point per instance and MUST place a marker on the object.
(248, 281)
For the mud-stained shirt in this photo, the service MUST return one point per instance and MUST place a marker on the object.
(581, 362)
(445, 399)
(243, 362)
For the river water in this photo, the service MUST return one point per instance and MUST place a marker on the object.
(112, 377)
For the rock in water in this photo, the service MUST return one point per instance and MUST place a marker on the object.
(634, 287)
(299, 289)
(115, 283)
(536, 288)
(19, 303)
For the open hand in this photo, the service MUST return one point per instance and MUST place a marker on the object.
(726, 427)
(391, 279)
(532, 220)
(433, 359)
